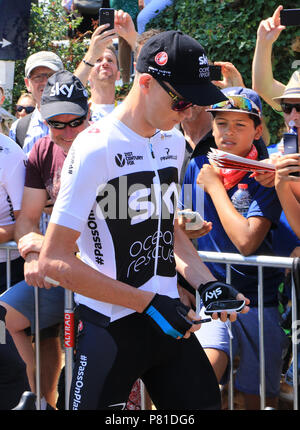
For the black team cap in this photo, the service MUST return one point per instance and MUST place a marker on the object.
(177, 58)
(64, 93)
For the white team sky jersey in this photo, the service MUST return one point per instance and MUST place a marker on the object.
(12, 175)
(122, 201)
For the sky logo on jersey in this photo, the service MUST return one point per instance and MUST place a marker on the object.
(124, 199)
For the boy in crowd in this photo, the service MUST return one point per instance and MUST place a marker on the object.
(236, 125)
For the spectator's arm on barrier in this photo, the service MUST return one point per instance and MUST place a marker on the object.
(31, 271)
(263, 81)
(27, 233)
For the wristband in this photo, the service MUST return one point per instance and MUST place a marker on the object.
(87, 63)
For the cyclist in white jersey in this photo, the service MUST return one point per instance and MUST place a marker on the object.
(118, 201)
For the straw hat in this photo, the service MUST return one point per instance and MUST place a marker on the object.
(292, 90)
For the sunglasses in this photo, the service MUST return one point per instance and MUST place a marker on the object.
(61, 125)
(238, 102)
(179, 104)
(288, 107)
(28, 109)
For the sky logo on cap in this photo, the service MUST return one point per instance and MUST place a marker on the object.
(203, 60)
(161, 58)
(64, 89)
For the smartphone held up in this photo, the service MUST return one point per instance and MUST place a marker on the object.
(290, 144)
(215, 72)
(290, 17)
(107, 16)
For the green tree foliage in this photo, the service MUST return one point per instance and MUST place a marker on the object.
(227, 30)
(48, 25)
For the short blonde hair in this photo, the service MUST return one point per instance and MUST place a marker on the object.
(24, 95)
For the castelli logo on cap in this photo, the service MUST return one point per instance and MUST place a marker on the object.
(161, 58)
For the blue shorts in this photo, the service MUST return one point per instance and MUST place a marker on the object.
(51, 303)
(245, 343)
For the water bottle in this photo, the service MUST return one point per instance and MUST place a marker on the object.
(241, 199)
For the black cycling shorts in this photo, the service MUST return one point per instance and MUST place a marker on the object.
(17, 273)
(111, 357)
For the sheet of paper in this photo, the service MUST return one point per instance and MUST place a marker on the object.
(226, 160)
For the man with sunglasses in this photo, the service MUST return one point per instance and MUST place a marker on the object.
(25, 105)
(24, 110)
(39, 67)
(64, 108)
(117, 201)
(289, 101)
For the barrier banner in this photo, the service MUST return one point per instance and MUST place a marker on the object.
(69, 329)
(14, 26)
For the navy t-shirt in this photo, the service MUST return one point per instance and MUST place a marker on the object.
(265, 204)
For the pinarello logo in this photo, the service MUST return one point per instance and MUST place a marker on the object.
(94, 130)
(161, 58)
(80, 326)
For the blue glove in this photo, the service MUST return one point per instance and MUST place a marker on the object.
(216, 290)
(169, 315)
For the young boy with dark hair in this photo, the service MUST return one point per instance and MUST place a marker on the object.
(236, 125)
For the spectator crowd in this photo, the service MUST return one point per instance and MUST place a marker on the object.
(71, 145)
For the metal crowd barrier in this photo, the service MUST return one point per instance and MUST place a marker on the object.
(260, 261)
(69, 337)
(225, 258)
